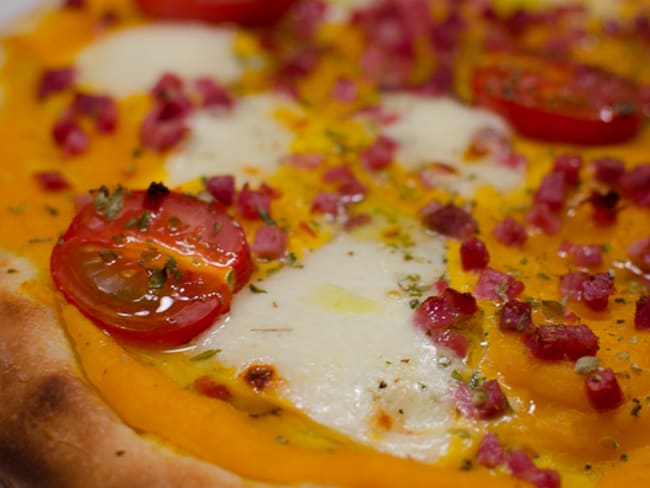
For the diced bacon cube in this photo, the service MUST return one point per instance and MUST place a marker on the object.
(51, 181)
(338, 174)
(571, 284)
(588, 256)
(604, 207)
(510, 233)
(327, 203)
(639, 252)
(551, 191)
(485, 402)
(55, 81)
(213, 95)
(490, 451)
(344, 90)
(451, 221)
(253, 204)
(101, 108)
(474, 254)
(519, 463)
(635, 184)
(352, 190)
(454, 341)
(69, 136)
(642, 313)
(596, 291)
(498, 286)
(603, 391)
(561, 342)
(270, 242)
(568, 165)
(167, 87)
(440, 312)
(608, 170)
(544, 218)
(159, 133)
(379, 155)
(222, 188)
(515, 316)
(522, 467)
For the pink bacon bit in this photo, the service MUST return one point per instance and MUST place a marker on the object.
(74, 4)
(344, 90)
(270, 242)
(544, 218)
(449, 220)
(159, 133)
(490, 451)
(515, 316)
(484, 402)
(523, 468)
(327, 203)
(584, 255)
(642, 313)
(635, 185)
(55, 80)
(445, 310)
(569, 166)
(592, 290)
(497, 286)
(454, 341)
(101, 108)
(604, 207)
(51, 181)
(603, 391)
(253, 204)
(222, 188)
(213, 95)
(639, 252)
(510, 233)
(551, 191)
(473, 254)
(69, 136)
(608, 170)
(561, 342)
(379, 155)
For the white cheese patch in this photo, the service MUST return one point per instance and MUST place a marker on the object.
(342, 339)
(131, 60)
(247, 142)
(439, 130)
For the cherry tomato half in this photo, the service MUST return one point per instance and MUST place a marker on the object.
(244, 12)
(561, 102)
(151, 267)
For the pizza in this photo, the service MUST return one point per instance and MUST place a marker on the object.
(325, 243)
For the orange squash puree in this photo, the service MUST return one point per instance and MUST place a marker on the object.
(552, 416)
(215, 431)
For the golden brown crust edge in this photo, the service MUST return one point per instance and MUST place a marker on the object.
(55, 431)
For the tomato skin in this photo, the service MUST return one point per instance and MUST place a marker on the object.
(546, 100)
(245, 12)
(156, 271)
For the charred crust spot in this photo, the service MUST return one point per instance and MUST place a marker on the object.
(259, 376)
(23, 464)
(50, 396)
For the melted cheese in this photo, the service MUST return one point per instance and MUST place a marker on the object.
(246, 142)
(340, 333)
(439, 130)
(131, 60)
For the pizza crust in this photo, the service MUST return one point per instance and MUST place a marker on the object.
(55, 431)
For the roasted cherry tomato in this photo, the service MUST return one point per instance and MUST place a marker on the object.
(556, 101)
(245, 12)
(151, 267)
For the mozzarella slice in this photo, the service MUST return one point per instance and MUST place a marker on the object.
(339, 331)
(247, 142)
(439, 130)
(131, 60)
